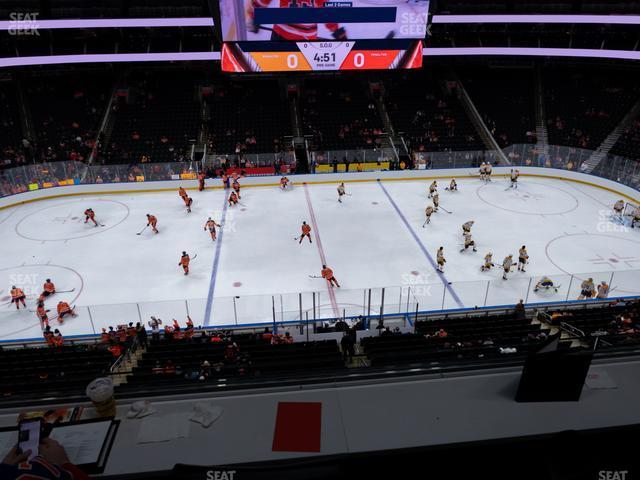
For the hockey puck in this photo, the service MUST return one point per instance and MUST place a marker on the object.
(415, 273)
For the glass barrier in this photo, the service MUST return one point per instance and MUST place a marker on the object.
(250, 160)
(325, 306)
(65, 173)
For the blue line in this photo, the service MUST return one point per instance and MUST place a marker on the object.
(441, 276)
(216, 263)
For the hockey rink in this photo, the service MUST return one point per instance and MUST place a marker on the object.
(374, 241)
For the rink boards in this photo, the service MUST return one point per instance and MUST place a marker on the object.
(374, 242)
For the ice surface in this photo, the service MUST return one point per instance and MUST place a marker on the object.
(374, 241)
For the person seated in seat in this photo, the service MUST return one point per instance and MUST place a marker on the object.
(49, 463)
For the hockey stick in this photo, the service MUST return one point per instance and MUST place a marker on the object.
(425, 222)
(65, 291)
(315, 276)
(442, 208)
(140, 232)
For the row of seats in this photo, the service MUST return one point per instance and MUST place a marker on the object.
(339, 114)
(505, 99)
(455, 339)
(248, 117)
(249, 357)
(429, 114)
(584, 106)
(157, 119)
(51, 371)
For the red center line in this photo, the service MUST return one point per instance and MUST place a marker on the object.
(323, 258)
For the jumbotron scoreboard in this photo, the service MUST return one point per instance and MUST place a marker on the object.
(321, 35)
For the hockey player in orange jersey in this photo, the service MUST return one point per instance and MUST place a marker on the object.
(41, 312)
(152, 221)
(211, 226)
(327, 274)
(63, 310)
(201, 178)
(17, 297)
(188, 201)
(184, 262)
(306, 232)
(48, 288)
(284, 182)
(89, 214)
(182, 192)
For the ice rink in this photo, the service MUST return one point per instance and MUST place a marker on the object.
(374, 241)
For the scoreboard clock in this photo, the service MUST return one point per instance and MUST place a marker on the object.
(306, 56)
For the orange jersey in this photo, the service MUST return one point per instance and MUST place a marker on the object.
(153, 220)
(306, 229)
(201, 177)
(49, 287)
(187, 200)
(63, 307)
(17, 293)
(327, 273)
(184, 260)
(182, 192)
(89, 213)
(41, 311)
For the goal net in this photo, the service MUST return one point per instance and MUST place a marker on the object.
(630, 209)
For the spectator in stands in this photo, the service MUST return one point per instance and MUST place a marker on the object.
(115, 349)
(141, 333)
(267, 335)
(231, 352)
(157, 368)
(58, 340)
(169, 369)
(520, 312)
(341, 326)
(205, 370)
(51, 463)
(386, 332)
(348, 344)
(288, 339)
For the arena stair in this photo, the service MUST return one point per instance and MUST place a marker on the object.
(609, 142)
(478, 122)
(542, 134)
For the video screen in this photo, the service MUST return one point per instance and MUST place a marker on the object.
(243, 57)
(308, 20)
